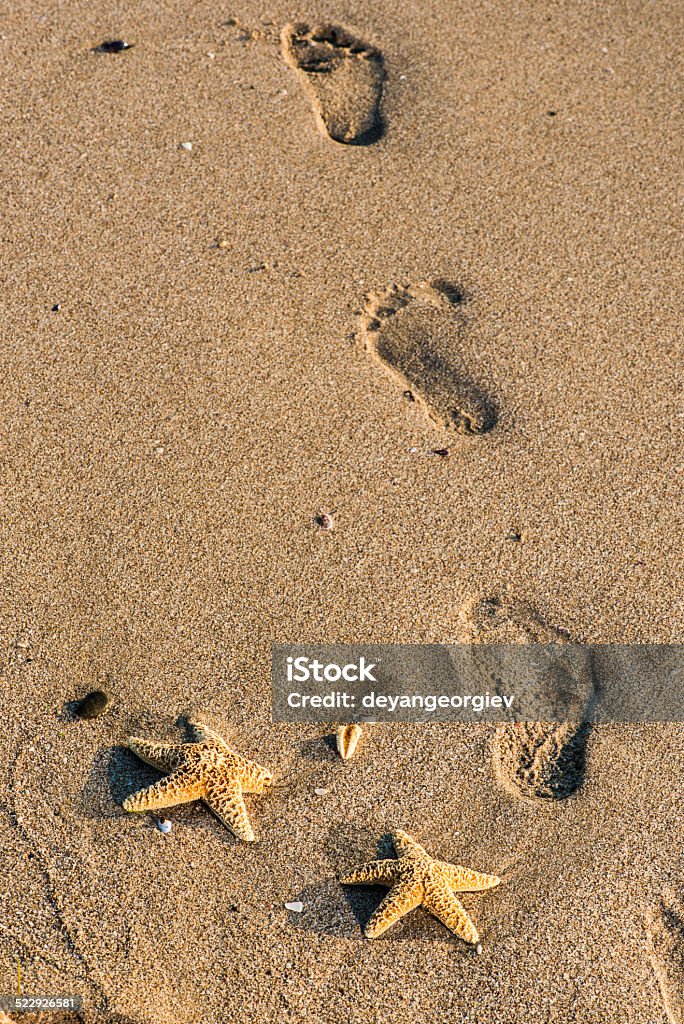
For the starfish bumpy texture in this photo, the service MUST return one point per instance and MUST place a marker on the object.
(206, 769)
(416, 879)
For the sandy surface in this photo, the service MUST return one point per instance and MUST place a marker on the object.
(203, 391)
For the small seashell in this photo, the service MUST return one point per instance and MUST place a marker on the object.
(296, 906)
(478, 949)
(164, 825)
(347, 738)
(186, 146)
(325, 521)
(93, 704)
(321, 792)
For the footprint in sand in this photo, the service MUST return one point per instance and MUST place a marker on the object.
(343, 76)
(666, 941)
(415, 333)
(536, 760)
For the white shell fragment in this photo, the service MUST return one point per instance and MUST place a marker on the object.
(321, 792)
(296, 906)
(187, 146)
(348, 737)
(164, 825)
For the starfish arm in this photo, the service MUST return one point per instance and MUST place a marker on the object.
(164, 756)
(441, 902)
(224, 798)
(464, 880)
(376, 872)
(253, 777)
(399, 901)
(201, 733)
(180, 787)
(406, 846)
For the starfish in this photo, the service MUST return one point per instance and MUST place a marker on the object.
(206, 769)
(416, 879)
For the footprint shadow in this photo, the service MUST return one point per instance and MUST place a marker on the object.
(415, 333)
(536, 760)
(344, 78)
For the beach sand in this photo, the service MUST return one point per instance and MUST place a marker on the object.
(215, 376)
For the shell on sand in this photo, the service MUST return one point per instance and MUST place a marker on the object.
(348, 737)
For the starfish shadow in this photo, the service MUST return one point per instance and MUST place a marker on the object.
(114, 774)
(343, 911)
(363, 901)
(418, 925)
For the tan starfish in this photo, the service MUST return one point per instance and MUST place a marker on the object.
(206, 769)
(416, 879)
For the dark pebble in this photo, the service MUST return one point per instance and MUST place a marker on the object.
(55, 308)
(93, 705)
(112, 46)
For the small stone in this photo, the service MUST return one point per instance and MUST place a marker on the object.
(56, 308)
(93, 704)
(159, 450)
(113, 46)
(321, 792)
(478, 949)
(296, 906)
(187, 146)
(325, 521)
(442, 452)
(164, 825)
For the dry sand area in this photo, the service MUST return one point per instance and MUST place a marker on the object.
(396, 230)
